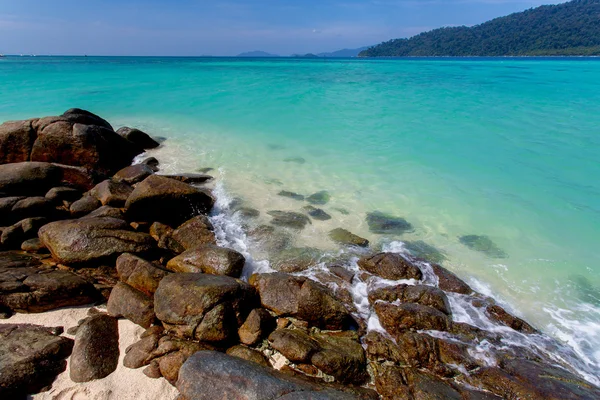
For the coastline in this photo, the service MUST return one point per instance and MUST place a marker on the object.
(362, 311)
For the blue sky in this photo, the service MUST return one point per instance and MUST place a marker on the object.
(198, 27)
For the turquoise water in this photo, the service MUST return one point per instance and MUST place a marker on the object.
(507, 148)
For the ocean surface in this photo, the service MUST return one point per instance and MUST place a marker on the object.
(507, 148)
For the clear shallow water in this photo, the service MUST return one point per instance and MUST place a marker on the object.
(507, 148)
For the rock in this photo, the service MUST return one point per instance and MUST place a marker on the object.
(209, 375)
(90, 146)
(341, 272)
(395, 382)
(319, 198)
(142, 352)
(270, 238)
(398, 318)
(152, 163)
(77, 241)
(138, 137)
(132, 304)
(289, 219)
(33, 246)
(31, 357)
(248, 354)
(192, 179)
(33, 207)
(84, 206)
(421, 294)
(449, 282)
(297, 160)
(248, 212)
(390, 266)
(295, 345)
(341, 357)
(256, 327)
(153, 370)
(195, 232)
(296, 259)
(499, 314)
(425, 251)
(6, 205)
(205, 170)
(187, 300)
(209, 259)
(317, 213)
(387, 224)
(96, 351)
(41, 292)
(483, 244)
(62, 193)
(133, 173)
(342, 236)
(291, 195)
(77, 115)
(162, 234)
(12, 236)
(139, 273)
(28, 178)
(111, 193)
(320, 308)
(154, 195)
(16, 141)
(106, 211)
(80, 178)
(278, 292)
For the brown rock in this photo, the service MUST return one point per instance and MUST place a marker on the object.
(421, 294)
(209, 259)
(112, 193)
(132, 304)
(278, 291)
(449, 282)
(340, 357)
(141, 353)
(196, 232)
(249, 354)
(295, 345)
(133, 173)
(345, 237)
(256, 327)
(320, 308)
(28, 178)
(409, 316)
(62, 193)
(139, 138)
(499, 314)
(390, 266)
(16, 141)
(106, 211)
(84, 206)
(139, 273)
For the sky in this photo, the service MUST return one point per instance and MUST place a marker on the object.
(228, 27)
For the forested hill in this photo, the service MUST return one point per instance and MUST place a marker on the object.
(571, 28)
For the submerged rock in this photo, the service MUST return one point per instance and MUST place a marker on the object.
(483, 244)
(291, 195)
(344, 237)
(296, 259)
(297, 160)
(319, 198)
(248, 212)
(425, 251)
(387, 224)
(289, 219)
(317, 213)
(270, 238)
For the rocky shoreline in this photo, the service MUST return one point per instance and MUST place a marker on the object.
(80, 225)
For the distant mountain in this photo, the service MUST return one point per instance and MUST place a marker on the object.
(568, 29)
(257, 54)
(343, 53)
(307, 55)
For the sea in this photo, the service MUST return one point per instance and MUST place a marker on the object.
(494, 163)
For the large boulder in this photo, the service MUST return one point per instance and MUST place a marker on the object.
(16, 141)
(77, 241)
(422, 294)
(138, 137)
(30, 358)
(209, 259)
(211, 375)
(158, 198)
(112, 193)
(202, 306)
(125, 301)
(139, 273)
(195, 232)
(410, 316)
(77, 115)
(390, 266)
(28, 178)
(96, 351)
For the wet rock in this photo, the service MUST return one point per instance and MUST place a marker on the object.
(28, 178)
(111, 193)
(192, 179)
(76, 241)
(96, 351)
(289, 219)
(342, 211)
(295, 345)
(410, 316)
(152, 162)
(482, 244)
(139, 273)
(211, 375)
(16, 141)
(132, 304)
(138, 137)
(62, 193)
(317, 213)
(421, 294)
(106, 211)
(394, 382)
(209, 259)
(270, 238)
(185, 301)
(247, 212)
(196, 232)
(387, 224)
(296, 259)
(425, 251)
(133, 174)
(291, 195)
(158, 198)
(390, 266)
(319, 198)
(318, 306)
(39, 292)
(449, 282)
(205, 170)
(256, 327)
(341, 272)
(340, 357)
(344, 237)
(499, 314)
(279, 292)
(84, 206)
(297, 160)
(248, 354)
(31, 357)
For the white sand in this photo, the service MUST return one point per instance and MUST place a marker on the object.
(122, 384)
